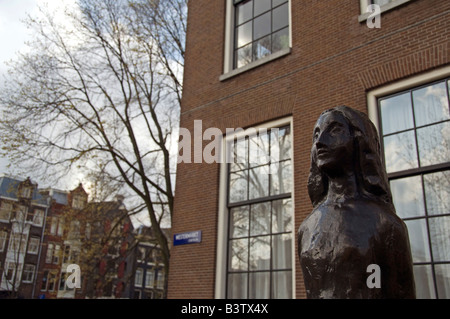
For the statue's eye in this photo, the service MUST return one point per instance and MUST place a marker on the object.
(316, 135)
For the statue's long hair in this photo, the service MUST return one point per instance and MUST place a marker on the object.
(369, 169)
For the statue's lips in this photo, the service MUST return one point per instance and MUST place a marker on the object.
(322, 152)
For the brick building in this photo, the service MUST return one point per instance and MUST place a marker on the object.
(276, 65)
(22, 217)
(43, 231)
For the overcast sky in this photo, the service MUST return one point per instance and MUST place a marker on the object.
(14, 34)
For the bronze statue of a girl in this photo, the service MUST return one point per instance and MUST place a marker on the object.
(353, 224)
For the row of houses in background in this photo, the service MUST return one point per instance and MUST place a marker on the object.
(43, 231)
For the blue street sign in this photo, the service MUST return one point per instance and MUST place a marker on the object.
(187, 238)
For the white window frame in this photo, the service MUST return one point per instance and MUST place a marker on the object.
(222, 229)
(389, 6)
(139, 283)
(228, 70)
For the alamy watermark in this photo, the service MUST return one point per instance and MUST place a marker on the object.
(74, 279)
(374, 19)
(374, 280)
(212, 152)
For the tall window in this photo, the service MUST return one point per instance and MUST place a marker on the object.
(260, 233)
(33, 245)
(28, 273)
(3, 239)
(261, 28)
(5, 211)
(415, 127)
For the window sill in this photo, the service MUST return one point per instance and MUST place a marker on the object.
(255, 64)
(389, 6)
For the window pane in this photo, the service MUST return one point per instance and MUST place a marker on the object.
(280, 40)
(259, 149)
(238, 254)
(277, 2)
(238, 186)
(259, 285)
(281, 177)
(408, 196)
(244, 12)
(282, 251)
(244, 34)
(280, 144)
(282, 284)
(437, 192)
(424, 282)
(260, 220)
(443, 280)
(440, 238)
(237, 286)
(239, 151)
(239, 222)
(400, 152)
(280, 17)
(431, 104)
(260, 253)
(434, 144)
(282, 216)
(262, 6)
(262, 47)
(418, 238)
(259, 182)
(244, 56)
(396, 113)
(262, 26)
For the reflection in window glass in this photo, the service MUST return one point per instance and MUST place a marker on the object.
(407, 194)
(400, 152)
(396, 113)
(238, 186)
(281, 17)
(431, 104)
(237, 284)
(244, 12)
(260, 256)
(259, 285)
(260, 220)
(434, 144)
(440, 238)
(244, 34)
(238, 254)
(417, 230)
(437, 192)
(262, 26)
(239, 223)
(262, 6)
(443, 280)
(423, 278)
(259, 182)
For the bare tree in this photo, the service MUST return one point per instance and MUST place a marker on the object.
(103, 90)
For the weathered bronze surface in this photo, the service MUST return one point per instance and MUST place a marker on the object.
(353, 223)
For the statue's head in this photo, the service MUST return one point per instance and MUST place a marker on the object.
(346, 141)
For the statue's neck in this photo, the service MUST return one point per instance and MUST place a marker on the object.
(341, 188)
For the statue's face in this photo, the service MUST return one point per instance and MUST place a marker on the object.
(332, 143)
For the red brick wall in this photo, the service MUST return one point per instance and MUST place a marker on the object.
(334, 60)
